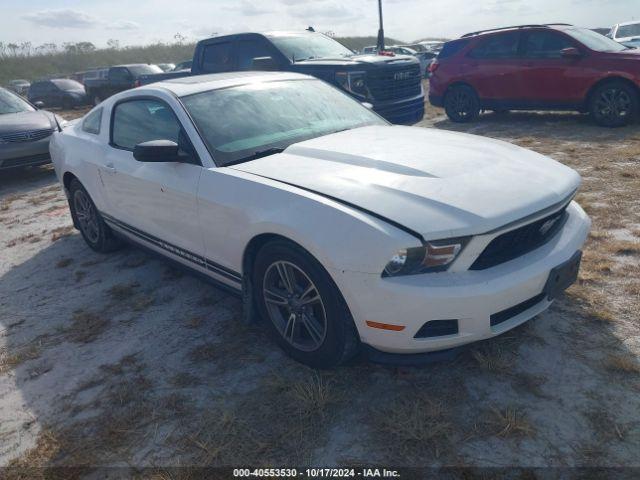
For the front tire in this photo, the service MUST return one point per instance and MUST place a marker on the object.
(302, 307)
(94, 230)
(461, 104)
(613, 104)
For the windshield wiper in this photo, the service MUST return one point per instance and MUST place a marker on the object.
(258, 154)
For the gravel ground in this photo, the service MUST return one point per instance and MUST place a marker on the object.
(122, 360)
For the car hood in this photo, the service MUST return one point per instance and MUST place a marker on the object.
(362, 60)
(436, 183)
(23, 121)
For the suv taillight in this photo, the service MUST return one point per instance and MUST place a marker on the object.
(433, 67)
(136, 83)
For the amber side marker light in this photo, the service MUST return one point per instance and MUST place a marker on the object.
(385, 326)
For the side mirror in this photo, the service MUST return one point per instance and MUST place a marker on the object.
(264, 63)
(570, 52)
(156, 151)
(39, 104)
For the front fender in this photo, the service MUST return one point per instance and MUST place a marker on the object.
(235, 207)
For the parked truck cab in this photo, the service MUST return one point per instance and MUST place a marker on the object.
(392, 84)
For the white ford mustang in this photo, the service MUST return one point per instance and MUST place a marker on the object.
(340, 230)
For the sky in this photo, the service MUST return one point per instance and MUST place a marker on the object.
(138, 22)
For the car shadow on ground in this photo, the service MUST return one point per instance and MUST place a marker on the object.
(122, 359)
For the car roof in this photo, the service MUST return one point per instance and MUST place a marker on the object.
(632, 22)
(183, 86)
(552, 26)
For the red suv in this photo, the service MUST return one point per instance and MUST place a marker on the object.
(537, 67)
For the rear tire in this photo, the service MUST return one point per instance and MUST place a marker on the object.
(613, 104)
(302, 307)
(94, 230)
(461, 104)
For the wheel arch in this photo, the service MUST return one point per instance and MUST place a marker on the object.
(460, 83)
(67, 178)
(610, 78)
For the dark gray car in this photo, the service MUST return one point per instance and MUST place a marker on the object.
(24, 132)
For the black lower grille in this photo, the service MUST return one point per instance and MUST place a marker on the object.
(504, 315)
(522, 240)
(393, 84)
(437, 328)
(26, 161)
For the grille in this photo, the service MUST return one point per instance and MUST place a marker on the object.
(392, 84)
(25, 161)
(504, 315)
(522, 240)
(28, 136)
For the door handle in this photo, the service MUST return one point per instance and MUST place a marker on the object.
(110, 168)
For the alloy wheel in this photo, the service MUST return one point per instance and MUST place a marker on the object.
(614, 103)
(86, 215)
(294, 306)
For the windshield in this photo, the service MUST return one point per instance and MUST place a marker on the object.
(66, 84)
(304, 47)
(137, 70)
(236, 123)
(11, 103)
(632, 30)
(595, 41)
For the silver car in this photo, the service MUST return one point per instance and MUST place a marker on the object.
(24, 132)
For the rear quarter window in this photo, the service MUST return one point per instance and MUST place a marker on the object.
(217, 57)
(93, 122)
(451, 48)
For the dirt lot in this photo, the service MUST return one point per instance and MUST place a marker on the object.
(123, 360)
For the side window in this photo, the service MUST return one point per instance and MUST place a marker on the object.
(119, 74)
(247, 51)
(92, 122)
(451, 48)
(504, 45)
(137, 121)
(217, 57)
(545, 45)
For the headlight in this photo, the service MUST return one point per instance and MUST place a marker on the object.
(434, 256)
(353, 82)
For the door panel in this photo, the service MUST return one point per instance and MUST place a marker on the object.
(547, 76)
(159, 198)
(494, 66)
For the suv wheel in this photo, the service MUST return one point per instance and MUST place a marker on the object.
(85, 215)
(613, 104)
(461, 104)
(302, 307)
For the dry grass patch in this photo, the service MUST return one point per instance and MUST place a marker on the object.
(123, 291)
(492, 360)
(134, 262)
(31, 465)
(184, 380)
(142, 302)
(622, 363)
(61, 232)
(85, 327)
(412, 425)
(64, 262)
(39, 199)
(509, 422)
(622, 247)
(9, 360)
(28, 238)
